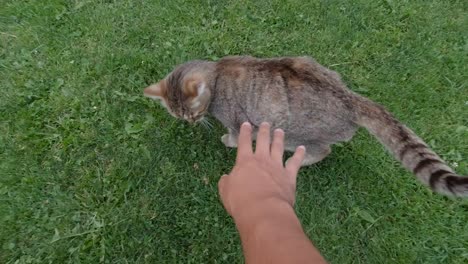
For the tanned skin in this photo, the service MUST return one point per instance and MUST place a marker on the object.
(259, 194)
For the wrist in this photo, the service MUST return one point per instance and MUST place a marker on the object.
(270, 212)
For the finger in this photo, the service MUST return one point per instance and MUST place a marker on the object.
(221, 184)
(244, 144)
(294, 163)
(277, 147)
(222, 192)
(263, 140)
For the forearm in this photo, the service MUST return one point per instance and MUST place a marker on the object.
(273, 234)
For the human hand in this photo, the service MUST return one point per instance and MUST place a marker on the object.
(259, 179)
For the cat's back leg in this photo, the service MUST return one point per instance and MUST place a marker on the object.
(319, 148)
(315, 153)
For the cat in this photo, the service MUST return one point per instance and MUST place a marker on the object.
(305, 99)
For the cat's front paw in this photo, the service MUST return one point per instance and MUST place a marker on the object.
(229, 141)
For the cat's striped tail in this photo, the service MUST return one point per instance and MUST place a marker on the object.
(409, 149)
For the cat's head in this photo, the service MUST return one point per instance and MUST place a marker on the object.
(185, 91)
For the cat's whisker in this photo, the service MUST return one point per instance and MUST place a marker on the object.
(206, 123)
(202, 122)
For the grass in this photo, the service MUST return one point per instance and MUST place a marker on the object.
(92, 172)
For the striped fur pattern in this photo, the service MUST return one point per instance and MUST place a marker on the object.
(308, 101)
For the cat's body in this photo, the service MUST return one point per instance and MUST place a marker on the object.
(311, 108)
(308, 101)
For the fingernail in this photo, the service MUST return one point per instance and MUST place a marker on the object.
(302, 147)
(279, 130)
(246, 124)
(264, 123)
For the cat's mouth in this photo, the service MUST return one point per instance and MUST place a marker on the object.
(199, 118)
(203, 122)
(194, 120)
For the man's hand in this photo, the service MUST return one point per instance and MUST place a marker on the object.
(259, 178)
(259, 194)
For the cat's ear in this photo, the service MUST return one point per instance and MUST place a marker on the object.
(194, 87)
(196, 92)
(156, 91)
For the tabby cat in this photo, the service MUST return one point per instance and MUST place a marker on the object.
(308, 101)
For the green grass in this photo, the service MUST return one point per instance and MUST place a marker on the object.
(92, 172)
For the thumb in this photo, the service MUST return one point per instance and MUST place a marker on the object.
(222, 192)
(221, 184)
(294, 163)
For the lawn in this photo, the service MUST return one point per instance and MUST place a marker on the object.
(93, 172)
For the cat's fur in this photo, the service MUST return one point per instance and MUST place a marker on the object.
(308, 101)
